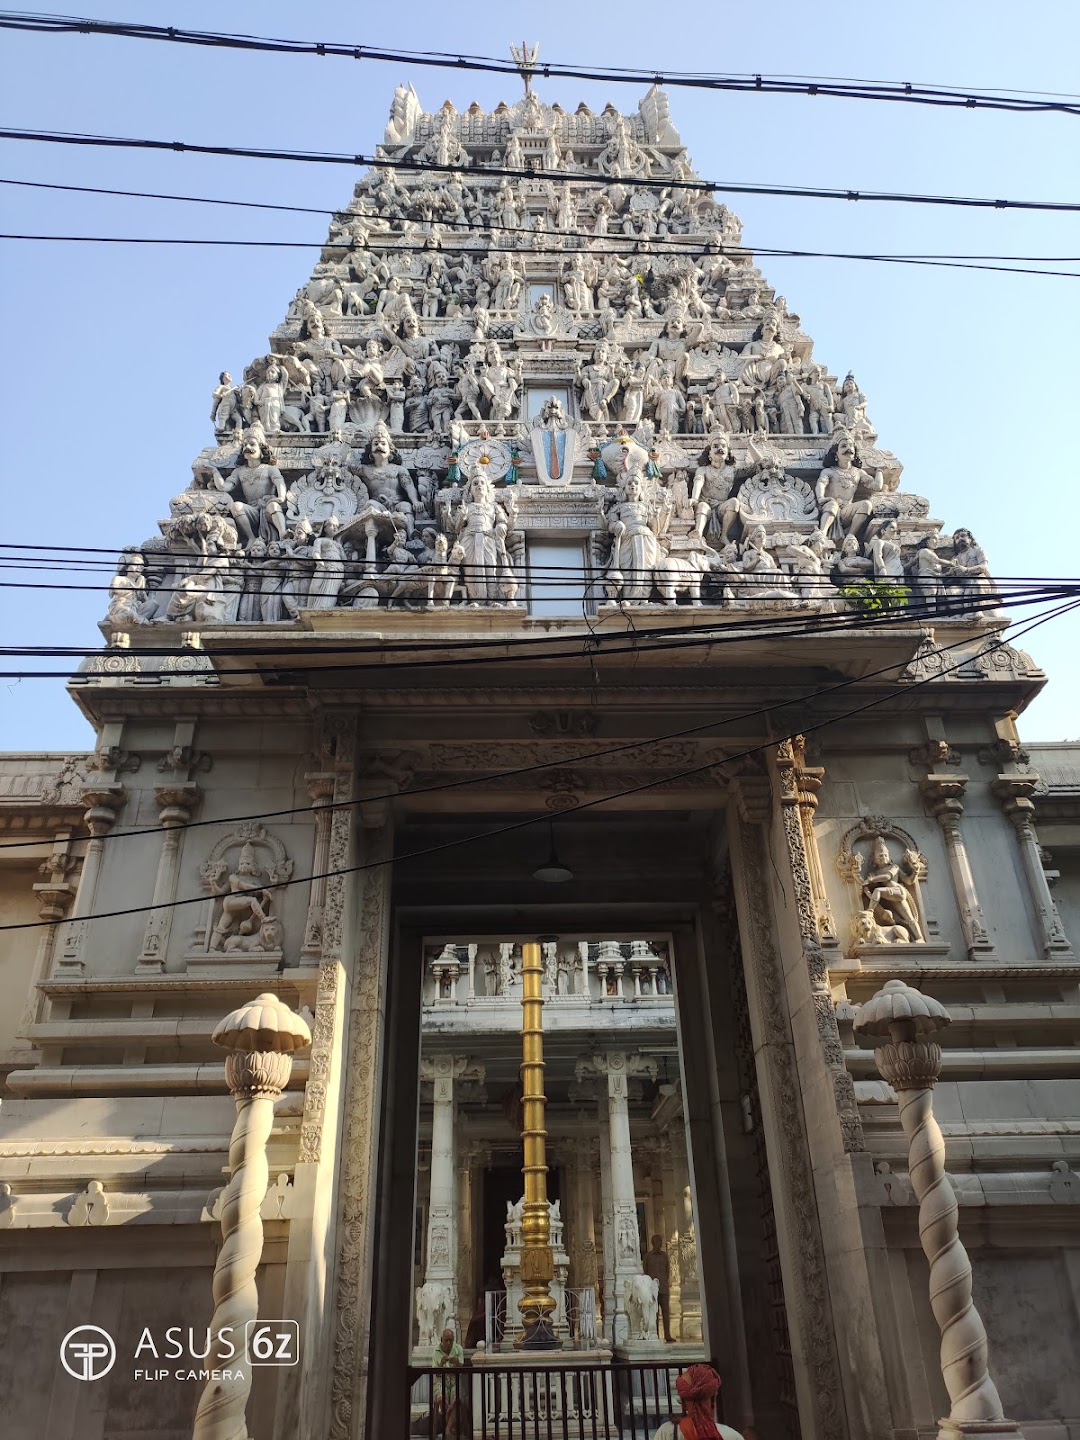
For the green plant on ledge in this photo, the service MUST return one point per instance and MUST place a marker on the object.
(874, 597)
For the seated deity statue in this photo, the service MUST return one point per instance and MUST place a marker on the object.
(845, 491)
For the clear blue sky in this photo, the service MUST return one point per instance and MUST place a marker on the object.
(112, 352)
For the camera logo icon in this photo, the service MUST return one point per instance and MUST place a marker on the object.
(88, 1352)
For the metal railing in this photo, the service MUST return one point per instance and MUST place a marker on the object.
(521, 1401)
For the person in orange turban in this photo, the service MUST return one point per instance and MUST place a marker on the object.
(697, 1388)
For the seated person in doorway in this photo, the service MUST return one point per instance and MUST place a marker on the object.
(698, 1387)
(449, 1408)
(658, 1268)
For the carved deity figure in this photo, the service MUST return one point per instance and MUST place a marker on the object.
(481, 524)
(888, 891)
(127, 590)
(599, 384)
(270, 398)
(259, 510)
(388, 484)
(225, 404)
(838, 488)
(245, 907)
(635, 526)
(499, 383)
(716, 511)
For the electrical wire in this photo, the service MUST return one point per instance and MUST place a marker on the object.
(711, 765)
(727, 187)
(661, 243)
(321, 245)
(815, 625)
(816, 694)
(968, 97)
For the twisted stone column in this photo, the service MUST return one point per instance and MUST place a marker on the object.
(911, 1064)
(260, 1039)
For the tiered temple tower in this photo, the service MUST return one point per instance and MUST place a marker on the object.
(539, 508)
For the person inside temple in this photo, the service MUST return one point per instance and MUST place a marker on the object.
(697, 1387)
(449, 1409)
(657, 1266)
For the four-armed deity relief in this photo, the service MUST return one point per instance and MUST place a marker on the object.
(469, 349)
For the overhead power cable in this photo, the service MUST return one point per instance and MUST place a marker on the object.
(510, 774)
(514, 773)
(543, 818)
(322, 244)
(968, 98)
(638, 248)
(587, 646)
(359, 161)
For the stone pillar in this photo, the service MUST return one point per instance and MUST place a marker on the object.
(607, 1228)
(802, 783)
(583, 1218)
(260, 1039)
(176, 807)
(437, 1299)
(1015, 792)
(320, 787)
(670, 1229)
(54, 894)
(103, 804)
(911, 1064)
(616, 1067)
(945, 796)
(689, 1283)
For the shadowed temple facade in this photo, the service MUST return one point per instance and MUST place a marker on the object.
(545, 658)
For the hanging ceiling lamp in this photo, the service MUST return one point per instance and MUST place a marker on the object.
(553, 871)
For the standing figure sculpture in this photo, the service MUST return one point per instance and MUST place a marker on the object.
(635, 526)
(716, 511)
(481, 524)
(329, 573)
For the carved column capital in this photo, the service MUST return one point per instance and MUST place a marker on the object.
(944, 794)
(103, 804)
(177, 803)
(1015, 792)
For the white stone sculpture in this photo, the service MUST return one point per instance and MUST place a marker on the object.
(434, 1312)
(888, 889)
(260, 1040)
(414, 330)
(641, 1294)
(910, 1061)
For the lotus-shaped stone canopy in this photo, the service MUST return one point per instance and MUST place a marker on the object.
(896, 1003)
(265, 1023)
